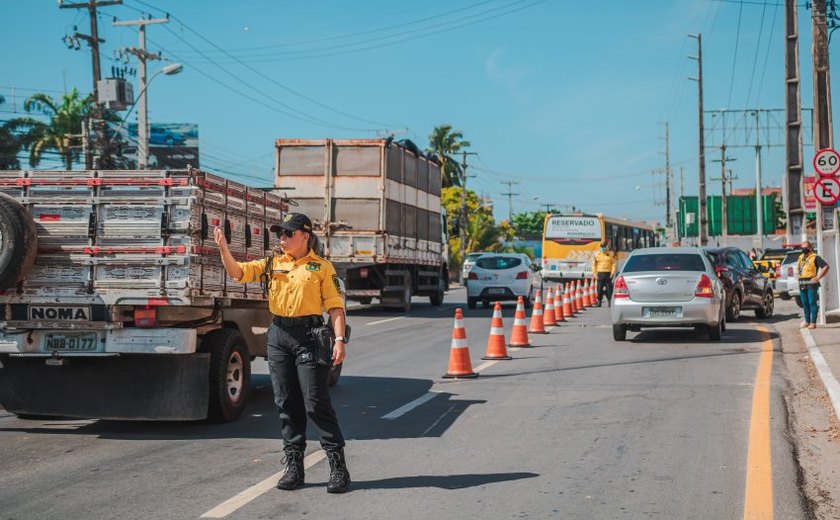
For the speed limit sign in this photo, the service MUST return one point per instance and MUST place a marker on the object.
(827, 162)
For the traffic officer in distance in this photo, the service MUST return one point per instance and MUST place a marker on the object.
(811, 268)
(300, 285)
(603, 266)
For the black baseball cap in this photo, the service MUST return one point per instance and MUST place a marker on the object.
(293, 222)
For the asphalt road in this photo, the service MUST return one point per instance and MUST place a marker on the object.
(577, 427)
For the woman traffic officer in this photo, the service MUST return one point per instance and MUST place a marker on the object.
(300, 285)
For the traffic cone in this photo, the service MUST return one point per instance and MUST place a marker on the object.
(587, 288)
(567, 302)
(537, 316)
(459, 354)
(519, 334)
(496, 348)
(549, 320)
(576, 291)
(593, 292)
(558, 305)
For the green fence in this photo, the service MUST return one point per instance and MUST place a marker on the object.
(740, 213)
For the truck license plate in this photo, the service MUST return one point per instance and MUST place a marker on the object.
(84, 342)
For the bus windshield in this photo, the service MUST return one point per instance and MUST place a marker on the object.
(573, 230)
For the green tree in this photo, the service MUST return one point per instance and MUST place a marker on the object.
(529, 225)
(482, 232)
(9, 147)
(445, 143)
(65, 122)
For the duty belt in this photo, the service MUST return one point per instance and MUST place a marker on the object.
(300, 321)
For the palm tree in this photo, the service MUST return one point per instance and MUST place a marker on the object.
(9, 146)
(445, 143)
(65, 124)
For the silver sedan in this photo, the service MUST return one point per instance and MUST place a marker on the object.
(667, 287)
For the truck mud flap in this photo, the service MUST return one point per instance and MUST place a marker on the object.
(152, 387)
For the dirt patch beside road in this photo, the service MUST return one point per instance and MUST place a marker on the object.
(814, 428)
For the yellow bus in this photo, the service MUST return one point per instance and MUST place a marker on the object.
(570, 241)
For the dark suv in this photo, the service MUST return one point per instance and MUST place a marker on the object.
(746, 287)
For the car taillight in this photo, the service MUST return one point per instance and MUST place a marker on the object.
(778, 270)
(620, 289)
(704, 287)
(523, 275)
(472, 276)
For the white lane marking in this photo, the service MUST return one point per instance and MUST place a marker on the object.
(830, 383)
(486, 364)
(229, 506)
(437, 421)
(384, 321)
(404, 409)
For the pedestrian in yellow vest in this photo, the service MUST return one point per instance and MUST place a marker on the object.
(603, 267)
(812, 268)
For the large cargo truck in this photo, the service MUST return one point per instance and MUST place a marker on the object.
(376, 205)
(113, 300)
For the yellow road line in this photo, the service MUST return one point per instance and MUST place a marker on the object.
(758, 502)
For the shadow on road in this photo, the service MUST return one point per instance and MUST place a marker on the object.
(679, 336)
(441, 481)
(360, 403)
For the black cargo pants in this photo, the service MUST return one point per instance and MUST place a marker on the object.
(604, 286)
(301, 387)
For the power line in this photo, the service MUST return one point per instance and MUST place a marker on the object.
(767, 54)
(735, 55)
(509, 194)
(757, 50)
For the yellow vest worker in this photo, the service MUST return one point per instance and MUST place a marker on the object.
(603, 266)
(811, 269)
(301, 348)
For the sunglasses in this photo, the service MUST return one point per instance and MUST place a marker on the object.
(287, 232)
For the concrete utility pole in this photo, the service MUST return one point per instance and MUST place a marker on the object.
(794, 199)
(142, 108)
(510, 195)
(93, 40)
(724, 216)
(669, 218)
(463, 226)
(759, 199)
(827, 234)
(703, 232)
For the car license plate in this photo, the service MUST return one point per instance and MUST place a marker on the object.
(662, 312)
(74, 342)
(495, 290)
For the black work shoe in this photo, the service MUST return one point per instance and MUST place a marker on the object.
(293, 476)
(339, 476)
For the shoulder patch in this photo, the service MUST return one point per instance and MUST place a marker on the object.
(313, 266)
(337, 283)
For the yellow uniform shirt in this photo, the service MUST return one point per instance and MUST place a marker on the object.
(603, 263)
(302, 287)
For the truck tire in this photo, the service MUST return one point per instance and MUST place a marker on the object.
(335, 373)
(18, 242)
(437, 298)
(230, 374)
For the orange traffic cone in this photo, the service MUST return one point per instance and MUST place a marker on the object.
(459, 354)
(576, 301)
(519, 334)
(567, 302)
(537, 316)
(549, 320)
(587, 293)
(496, 348)
(593, 292)
(558, 305)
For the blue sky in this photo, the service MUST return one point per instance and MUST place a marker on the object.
(564, 97)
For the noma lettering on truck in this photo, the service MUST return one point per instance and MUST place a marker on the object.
(59, 313)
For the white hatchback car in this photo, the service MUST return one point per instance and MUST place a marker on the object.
(501, 277)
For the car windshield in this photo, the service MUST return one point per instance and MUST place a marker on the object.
(498, 262)
(792, 257)
(472, 256)
(665, 262)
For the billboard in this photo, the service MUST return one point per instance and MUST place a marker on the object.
(171, 145)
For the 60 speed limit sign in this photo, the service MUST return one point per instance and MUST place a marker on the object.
(827, 162)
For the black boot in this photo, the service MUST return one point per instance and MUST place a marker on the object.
(293, 477)
(339, 476)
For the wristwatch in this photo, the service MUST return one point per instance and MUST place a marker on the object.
(341, 339)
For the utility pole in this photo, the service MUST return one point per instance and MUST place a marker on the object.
(759, 200)
(142, 108)
(701, 196)
(669, 220)
(827, 239)
(724, 216)
(463, 226)
(93, 40)
(510, 195)
(794, 199)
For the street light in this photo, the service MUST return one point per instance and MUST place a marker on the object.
(142, 125)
